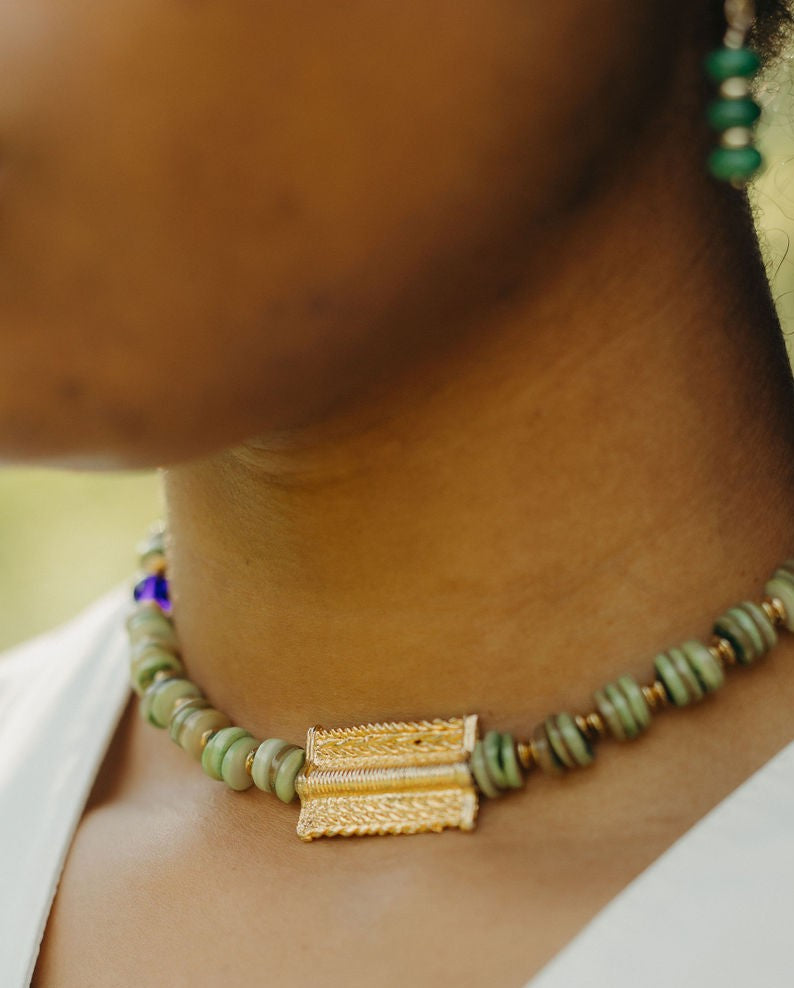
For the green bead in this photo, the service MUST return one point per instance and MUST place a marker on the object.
(707, 669)
(734, 164)
(157, 703)
(786, 569)
(195, 725)
(783, 589)
(288, 769)
(557, 742)
(543, 753)
(607, 710)
(567, 742)
(688, 671)
(637, 702)
(510, 766)
(271, 754)
(722, 63)
(491, 745)
(479, 770)
(147, 662)
(673, 684)
(183, 711)
(576, 742)
(725, 113)
(496, 767)
(748, 629)
(216, 748)
(687, 674)
(233, 770)
(623, 710)
(149, 623)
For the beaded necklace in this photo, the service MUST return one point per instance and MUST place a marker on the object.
(410, 777)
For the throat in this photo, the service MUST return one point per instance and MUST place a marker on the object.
(505, 560)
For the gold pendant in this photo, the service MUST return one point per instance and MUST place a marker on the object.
(396, 778)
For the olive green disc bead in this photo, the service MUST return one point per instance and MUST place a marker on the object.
(479, 770)
(786, 569)
(722, 63)
(216, 748)
(149, 661)
(233, 765)
(734, 164)
(182, 711)
(195, 725)
(492, 750)
(748, 629)
(687, 674)
(149, 623)
(706, 668)
(287, 771)
(784, 591)
(607, 710)
(514, 777)
(637, 702)
(576, 742)
(783, 582)
(623, 710)
(567, 741)
(267, 761)
(544, 754)
(157, 703)
(725, 113)
(679, 681)
(558, 746)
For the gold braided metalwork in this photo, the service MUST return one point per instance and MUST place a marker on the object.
(392, 778)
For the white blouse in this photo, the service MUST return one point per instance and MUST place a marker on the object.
(716, 909)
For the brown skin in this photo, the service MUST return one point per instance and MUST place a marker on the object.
(230, 216)
(474, 399)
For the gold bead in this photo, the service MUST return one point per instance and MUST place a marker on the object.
(723, 649)
(774, 610)
(650, 697)
(661, 693)
(249, 761)
(656, 695)
(596, 722)
(526, 756)
(164, 674)
(153, 563)
(205, 738)
(591, 725)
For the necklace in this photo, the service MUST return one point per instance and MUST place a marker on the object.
(410, 777)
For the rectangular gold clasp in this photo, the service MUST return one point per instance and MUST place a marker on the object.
(393, 778)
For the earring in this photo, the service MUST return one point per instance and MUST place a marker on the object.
(734, 113)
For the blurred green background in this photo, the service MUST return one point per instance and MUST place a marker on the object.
(67, 537)
(64, 539)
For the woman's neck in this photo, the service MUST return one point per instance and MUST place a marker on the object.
(589, 476)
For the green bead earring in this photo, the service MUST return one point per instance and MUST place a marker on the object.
(734, 113)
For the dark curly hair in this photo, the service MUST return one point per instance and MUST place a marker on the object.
(772, 27)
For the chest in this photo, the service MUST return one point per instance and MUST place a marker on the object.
(207, 899)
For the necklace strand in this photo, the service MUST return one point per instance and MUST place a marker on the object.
(410, 777)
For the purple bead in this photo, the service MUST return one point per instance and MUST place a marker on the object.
(154, 588)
